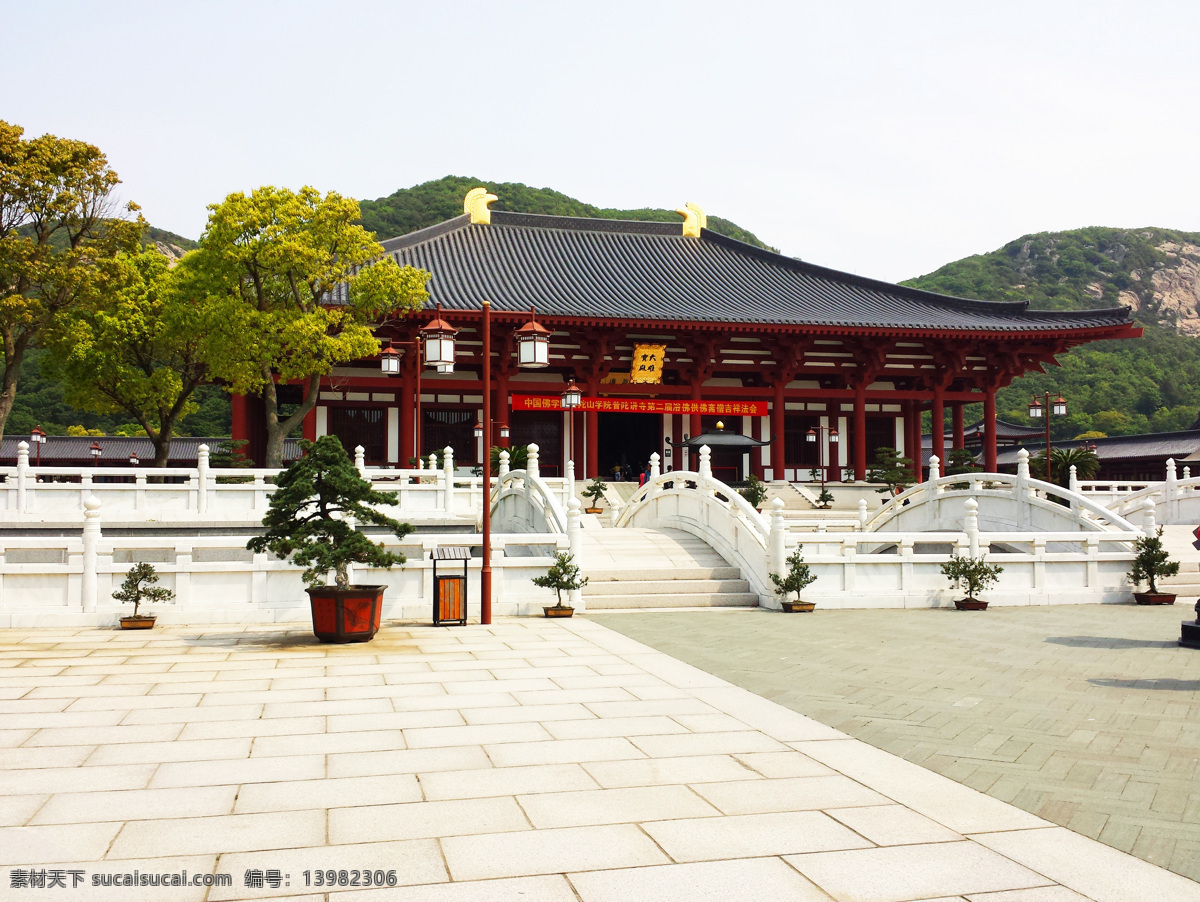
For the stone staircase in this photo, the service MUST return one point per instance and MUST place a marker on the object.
(657, 568)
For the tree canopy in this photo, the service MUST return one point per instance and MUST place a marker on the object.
(59, 233)
(135, 350)
(292, 288)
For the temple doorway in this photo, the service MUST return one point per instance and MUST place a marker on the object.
(625, 442)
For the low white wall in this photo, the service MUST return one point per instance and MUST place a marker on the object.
(217, 580)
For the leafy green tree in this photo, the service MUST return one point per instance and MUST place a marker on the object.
(971, 574)
(139, 587)
(59, 231)
(797, 577)
(1084, 460)
(274, 266)
(135, 350)
(307, 516)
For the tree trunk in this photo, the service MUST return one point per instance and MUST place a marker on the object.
(277, 431)
(14, 354)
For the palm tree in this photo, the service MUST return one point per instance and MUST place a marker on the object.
(1083, 459)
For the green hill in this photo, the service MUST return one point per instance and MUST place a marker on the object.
(1115, 387)
(429, 203)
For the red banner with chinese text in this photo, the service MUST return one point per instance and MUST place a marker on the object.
(645, 405)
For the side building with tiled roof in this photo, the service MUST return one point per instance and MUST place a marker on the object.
(666, 329)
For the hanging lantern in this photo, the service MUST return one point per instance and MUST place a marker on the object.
(439, 343)
(811, 435)
(504, 430)
(389, 361)
(1060, 406)
(833, 436)
(133, 459)
(572, 397)
(1035, 409)
(533, 343)
(478, 430)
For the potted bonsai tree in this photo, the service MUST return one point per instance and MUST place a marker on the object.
(309, 521)
(972, 575)
(1152, 562)
(754, 491)
(595, 491)
(563, 576)
(138, 588)
(825, 499)
(798, 576)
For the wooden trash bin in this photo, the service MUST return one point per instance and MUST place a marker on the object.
(450, 590)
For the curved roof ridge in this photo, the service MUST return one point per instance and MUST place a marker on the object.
(588, 224)
(968, 304)
(440, 228)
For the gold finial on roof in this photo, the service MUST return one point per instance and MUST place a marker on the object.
(694, 219)
(476, 203)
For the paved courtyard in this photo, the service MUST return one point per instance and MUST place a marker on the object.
(1087, 716)
(531, 760)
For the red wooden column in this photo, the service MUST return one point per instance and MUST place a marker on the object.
(591, 421)
(960, 436)
(240, 418)
(939, 429)
(408, 409)
(859, 457)
(777, 426)
(502, 413)
(989, 433)
(913, 437)
(308, 426)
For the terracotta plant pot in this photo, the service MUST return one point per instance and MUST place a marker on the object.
(798, 607)
(554, 611)
(346, 615)
(970, 604)
(593, 510)
(138, 622)
(1154, 597)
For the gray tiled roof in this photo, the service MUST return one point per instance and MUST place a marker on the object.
(1158, 445)
(647, 271)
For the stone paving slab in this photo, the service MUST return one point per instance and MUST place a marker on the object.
(682, 787)
(1087, 716)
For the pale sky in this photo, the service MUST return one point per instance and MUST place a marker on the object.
(883, 138)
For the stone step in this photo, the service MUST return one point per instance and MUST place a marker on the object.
(660, 587)
(698, 600)
(675, 574)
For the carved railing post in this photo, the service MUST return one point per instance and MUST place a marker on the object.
(448, 472)
(502, 469)
(532, 465)
(1171, 492)
(705, 462)
(972, 526)
(360, 459)
(1073, 481)
(91, 539)
(1149, 526)
(574, 545)
(22, 475)
(568, 483)
(201, 479)
(778, 537)
(862, 514)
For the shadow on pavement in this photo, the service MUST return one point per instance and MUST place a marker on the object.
(1111, 642)
(1169, 684)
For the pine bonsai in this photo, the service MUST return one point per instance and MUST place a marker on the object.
(563, 576)
(307, 516)
(754, 491)
(1152, 561)
(137, 588)
(971, 574)
(825, 499)
(889, 468)
(798, 576)
(595, 491)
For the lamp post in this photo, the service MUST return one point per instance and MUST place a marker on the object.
(389, 363)
(815, 433)
(39, 438)
(96, 452)
(572, 397)
(1040, 411)
(534, 341)
(133, 459)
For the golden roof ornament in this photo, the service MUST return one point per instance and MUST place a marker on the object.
(694, 219)
(476, 203)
